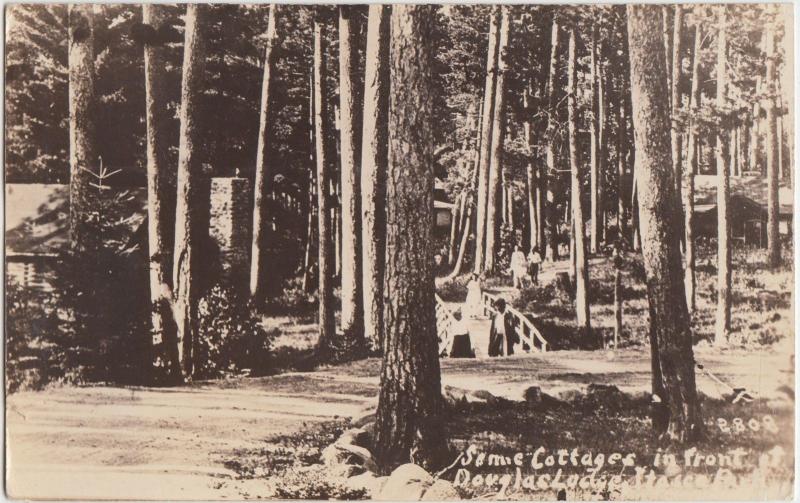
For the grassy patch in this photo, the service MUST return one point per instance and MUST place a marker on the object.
(761, 304)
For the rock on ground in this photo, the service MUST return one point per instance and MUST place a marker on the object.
(441, 490)
(407, 482)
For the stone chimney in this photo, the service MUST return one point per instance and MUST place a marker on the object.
(230, 226)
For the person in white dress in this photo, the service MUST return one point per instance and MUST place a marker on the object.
(519, 267)
(472, 306)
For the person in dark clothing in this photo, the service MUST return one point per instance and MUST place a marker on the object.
(502, 335)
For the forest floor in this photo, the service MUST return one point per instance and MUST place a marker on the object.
(234, 438)
(239, 438)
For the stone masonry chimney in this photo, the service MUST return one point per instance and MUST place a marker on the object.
(230, 226)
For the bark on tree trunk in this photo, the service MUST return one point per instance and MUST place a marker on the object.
(593, 146)
(617, 293)
(408, 422)
(311, 187)
(581, 264)
(498, 138)
(309, 232)
(622, 147)
(755, 131)
(602, 151)
(530, 173)
(374, 152)
(723, 320)
(352, 316)
(772, 143)
(688, 178)
(325, 260)
(675, 80)
(485, 140)
(160, 196)
(258, 254)
(82, 148)
(469, 206)
(671, 344)
(550, 154)
(188, 219)
(455, 217)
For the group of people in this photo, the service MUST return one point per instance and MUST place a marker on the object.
(523, 267)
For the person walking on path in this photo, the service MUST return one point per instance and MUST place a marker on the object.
(519, 267)
(502, 335)
(472, 307)
(534, 262)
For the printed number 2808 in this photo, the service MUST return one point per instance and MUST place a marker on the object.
(739, 425)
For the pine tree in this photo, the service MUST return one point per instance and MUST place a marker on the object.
(772, 142)
(160, 191)
(82, 142)
(581, 264)
(671, 339)
(258, 255)
(552, 213)
(485, 141)
(495, 188)
(374, 158)
(188, 225)
(723, 321)
(327, 327)
(408, 423)
(350, 111)
(689, 173)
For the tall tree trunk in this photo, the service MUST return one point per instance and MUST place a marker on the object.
(309, 232)
(82, 148)
(602, 152)
(772, 142)
(755, 131)
(581, 264)
(408, 422)
(258, 254)
(671, 343)
(374, 159)
(498, 138)
(160, 194)
(723, 323)
(617, 292)
(455, 220)
(688, 177)
(486, 139)
(593, 146)
(550, 153)
(336, 191)
(530, 173)
(189, 222)
(675, 82)
(311, 187)
(352, 317)
(325, 260)
(469, 204)
(666, 17)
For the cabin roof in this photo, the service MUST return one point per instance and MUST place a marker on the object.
(753, 188)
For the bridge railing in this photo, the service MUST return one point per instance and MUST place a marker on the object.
(445, 323)
(526, 330)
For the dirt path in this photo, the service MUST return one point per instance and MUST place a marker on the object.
(123, 443)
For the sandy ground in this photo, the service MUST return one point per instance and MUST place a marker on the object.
(146, 443)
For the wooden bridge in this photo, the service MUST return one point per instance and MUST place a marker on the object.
(449, 328)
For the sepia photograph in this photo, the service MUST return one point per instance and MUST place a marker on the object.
(399, 252)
